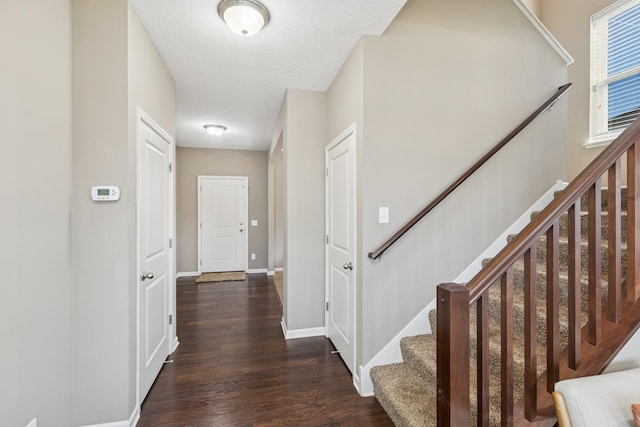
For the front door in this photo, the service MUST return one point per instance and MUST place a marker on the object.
(340, 274)
(223, 223)
(154, 205)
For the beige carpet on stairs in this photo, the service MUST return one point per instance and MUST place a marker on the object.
(407, 390)
(230, 276)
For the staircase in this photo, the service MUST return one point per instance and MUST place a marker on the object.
(407, 390)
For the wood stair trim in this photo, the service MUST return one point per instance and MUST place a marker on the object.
(595, 359)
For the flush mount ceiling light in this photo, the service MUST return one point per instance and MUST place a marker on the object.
(245, 17)
(215, 130)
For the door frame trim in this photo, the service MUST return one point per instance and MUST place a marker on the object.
(246, 217)
(351, 130)
(172, 339)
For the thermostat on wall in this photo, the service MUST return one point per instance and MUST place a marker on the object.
(105, 193)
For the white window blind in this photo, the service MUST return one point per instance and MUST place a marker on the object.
(615, 70)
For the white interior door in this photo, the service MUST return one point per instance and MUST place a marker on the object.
(223, 223)
(154, 280)
(340, 274)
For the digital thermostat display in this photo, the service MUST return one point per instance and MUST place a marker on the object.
(105, 193)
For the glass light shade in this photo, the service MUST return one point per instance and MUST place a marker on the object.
(215, 130)
(244, 17)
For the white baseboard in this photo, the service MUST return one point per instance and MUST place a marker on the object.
(420, 324)
(187, 274)
(131, 422)
(356, 380)
(278, 269)
(135, 417)
(124, 423)
(257, 271)
(174, 345)
(301, 333)
(271, 273)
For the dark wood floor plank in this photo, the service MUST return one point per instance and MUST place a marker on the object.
(234, 368)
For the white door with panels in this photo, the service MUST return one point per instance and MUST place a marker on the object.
(155, 154)
(223, 223)
(341, 245)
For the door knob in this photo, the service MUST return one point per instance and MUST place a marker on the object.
(146, 275)
(241, 230)
(348, 266)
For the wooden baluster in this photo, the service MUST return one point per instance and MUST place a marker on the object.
(530, 334)
(553, 324)
(633, 219)
(575, 286)
(615, 239)
(506, 338)
(595, 262)
(482, 311)
(453, 355)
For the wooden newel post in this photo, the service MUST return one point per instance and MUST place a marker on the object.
(453, 354)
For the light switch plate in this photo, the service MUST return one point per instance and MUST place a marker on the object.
(383, 215)
(253, 257)
(254, 222)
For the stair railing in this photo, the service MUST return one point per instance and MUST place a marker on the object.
(455, 301)
(377, 253)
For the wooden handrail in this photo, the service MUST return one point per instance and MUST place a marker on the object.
(542, 222)
(377, 253)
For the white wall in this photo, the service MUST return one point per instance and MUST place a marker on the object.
(446, 81)
(115, 70)
(35, 113)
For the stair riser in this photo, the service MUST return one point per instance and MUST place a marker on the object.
(584, 200)
(584, 226)
(541, 252)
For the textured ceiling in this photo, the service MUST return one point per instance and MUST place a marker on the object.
(239, 82)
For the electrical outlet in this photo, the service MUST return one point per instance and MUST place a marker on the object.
(253, 257)
(254, 222)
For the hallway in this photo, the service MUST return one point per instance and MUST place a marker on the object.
(234, 368)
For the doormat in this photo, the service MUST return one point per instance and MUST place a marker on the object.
(221, 277)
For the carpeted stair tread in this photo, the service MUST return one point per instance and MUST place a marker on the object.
(584, 224)
(604, 199)
(563, 259)
(409, 400)
(419, 352)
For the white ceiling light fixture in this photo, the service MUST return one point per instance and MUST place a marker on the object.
(215, 130)
(244, 17)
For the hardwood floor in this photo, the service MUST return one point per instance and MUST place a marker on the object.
(234, 368)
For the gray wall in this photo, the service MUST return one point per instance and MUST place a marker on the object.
(191, 162)
(278, 169)
(115, 69)
(35, 111)
(570, 23)
(441, 63)
(303, 123)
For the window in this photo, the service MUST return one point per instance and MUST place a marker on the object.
(615, 70)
